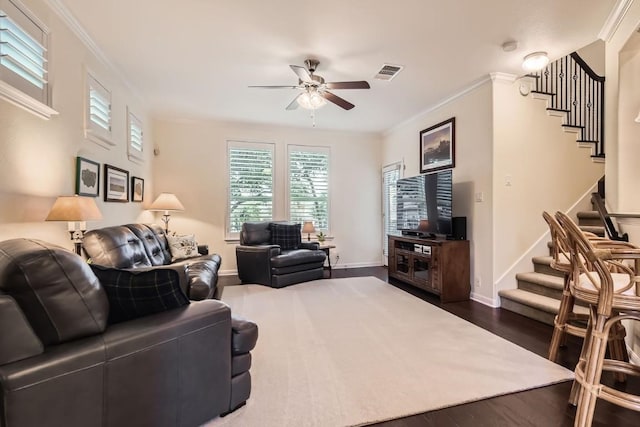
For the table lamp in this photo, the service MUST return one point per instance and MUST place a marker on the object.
(76, 211)
(308, 228)
(166, 202)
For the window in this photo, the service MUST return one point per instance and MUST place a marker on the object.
(309, 186)
(134, 137)
(390, 176)
(250, 183)
(98, 112)
(23, 59)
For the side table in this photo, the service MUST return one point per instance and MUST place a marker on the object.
(327, 250)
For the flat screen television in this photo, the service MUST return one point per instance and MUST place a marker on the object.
(425, 197)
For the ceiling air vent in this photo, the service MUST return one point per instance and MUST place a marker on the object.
(388, 72)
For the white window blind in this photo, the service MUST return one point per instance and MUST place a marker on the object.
(390, 176)
(23, 52)
(309, 186)
(135, 137)
(250, 183)
(98, 111)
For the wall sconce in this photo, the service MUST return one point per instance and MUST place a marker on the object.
(535, 61)
(166, 202)
(76, 211)
(308, 228)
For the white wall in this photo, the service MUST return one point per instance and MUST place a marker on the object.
(37, 157)
(192, 163)
(536, 166)
(622, 133)
(471, 174)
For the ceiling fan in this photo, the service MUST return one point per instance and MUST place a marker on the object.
(314, 90)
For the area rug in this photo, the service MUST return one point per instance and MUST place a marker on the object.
(345, 352)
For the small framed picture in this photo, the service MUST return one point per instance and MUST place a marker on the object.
(87, 177)
(116, 184)
(438, 146)
(137, 189)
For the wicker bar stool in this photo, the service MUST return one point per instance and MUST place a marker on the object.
(612, 297)
(567, 321)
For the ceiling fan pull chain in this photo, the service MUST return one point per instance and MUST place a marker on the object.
(313, 118)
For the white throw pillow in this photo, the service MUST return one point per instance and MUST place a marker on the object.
(182, 246)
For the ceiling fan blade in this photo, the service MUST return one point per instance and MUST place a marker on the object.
(294, 104)
(340, 102)
(348, 85)
(302, 73)
(275, 87)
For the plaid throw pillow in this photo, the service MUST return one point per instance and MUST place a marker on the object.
(135, 294)
(286, 236)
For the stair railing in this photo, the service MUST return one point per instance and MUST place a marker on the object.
(578, 91)
(609, 228)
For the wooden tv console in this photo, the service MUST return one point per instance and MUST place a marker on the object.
(435, 265)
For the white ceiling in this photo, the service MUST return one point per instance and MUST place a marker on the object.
(195, 58)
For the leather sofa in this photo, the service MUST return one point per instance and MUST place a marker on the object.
(260, 261)
(63, 365)
(134, 246)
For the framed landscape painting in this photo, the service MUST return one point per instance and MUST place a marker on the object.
(437, 146)
(87, 177)
(116, 184)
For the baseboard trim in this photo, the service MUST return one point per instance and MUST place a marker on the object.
(484, 300)
(357, 265)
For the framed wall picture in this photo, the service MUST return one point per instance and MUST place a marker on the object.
(87, 177)
(437, 146)
(137, 189)
(116, 184)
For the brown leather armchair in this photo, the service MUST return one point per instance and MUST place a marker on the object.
(63, 365)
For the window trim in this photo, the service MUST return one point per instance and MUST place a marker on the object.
(392, 167)
(235, 143)
(92, 131)
(316, 149)
(14, 94)
(133, 152)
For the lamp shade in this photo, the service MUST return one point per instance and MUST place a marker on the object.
(423, 225)
(74, 208)
(311, 99)
(166, 202)
(308, 227)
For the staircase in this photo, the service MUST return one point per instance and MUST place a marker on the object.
(539, 291)
(576, 93)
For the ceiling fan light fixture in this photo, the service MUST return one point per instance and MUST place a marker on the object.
(535, 61)
(311, 99)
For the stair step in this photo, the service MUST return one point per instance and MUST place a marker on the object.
(598, 230)
(541, 284)
(542, 264)
(557, 112)
(534, 306)
(589, 218)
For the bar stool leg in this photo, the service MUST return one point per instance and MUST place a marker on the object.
(592, 374)
(559, 324)
(576, 388)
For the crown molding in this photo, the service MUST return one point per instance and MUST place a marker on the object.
(440, 104)
(72, 23)
(503, 77)
(614, 19)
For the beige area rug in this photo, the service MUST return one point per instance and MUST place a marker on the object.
(343, 352)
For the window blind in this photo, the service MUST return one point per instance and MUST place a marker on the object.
(309, 186)
(23, 52)
(390, 176)
(136, 143)
(250, 184)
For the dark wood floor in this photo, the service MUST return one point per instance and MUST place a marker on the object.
(545, 406)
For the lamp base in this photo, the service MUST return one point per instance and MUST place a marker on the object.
(165, 219)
